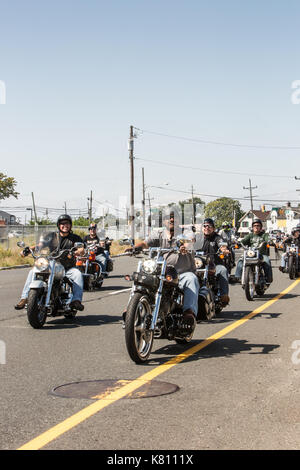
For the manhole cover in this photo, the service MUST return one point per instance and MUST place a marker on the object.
(100, 389)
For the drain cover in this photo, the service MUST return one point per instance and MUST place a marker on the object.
(100, 389)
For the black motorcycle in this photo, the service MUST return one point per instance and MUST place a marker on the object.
(209, 303)
(155, 308)
(253, 275)
(292, 260)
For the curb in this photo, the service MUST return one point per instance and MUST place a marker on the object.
(20, 266)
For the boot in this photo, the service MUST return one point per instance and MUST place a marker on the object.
(21, 304)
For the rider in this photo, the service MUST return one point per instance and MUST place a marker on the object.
(210, 243)
(62, 240)
(228, 237)
(183, 262)
(100, 244)
(293, 239)
(254, 239)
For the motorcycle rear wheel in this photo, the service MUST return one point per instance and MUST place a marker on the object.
(35, 315)
(138, 336)
(249, 283)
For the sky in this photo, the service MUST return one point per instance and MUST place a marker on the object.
(207, 84)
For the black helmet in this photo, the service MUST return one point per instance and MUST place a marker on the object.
(257, 221)
(209, 221)
(64, 217)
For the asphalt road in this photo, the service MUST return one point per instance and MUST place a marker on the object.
(240, 390)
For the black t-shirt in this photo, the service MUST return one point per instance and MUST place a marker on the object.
(89, 241)
(56, 243)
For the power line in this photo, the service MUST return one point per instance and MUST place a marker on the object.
(221, 196)
(212, 171)
(214, 142)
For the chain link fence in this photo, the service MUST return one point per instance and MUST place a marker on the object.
(30, 234)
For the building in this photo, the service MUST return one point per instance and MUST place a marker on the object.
(283, 218)
(7, 219)
(247, 219)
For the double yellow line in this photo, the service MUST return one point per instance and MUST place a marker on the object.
(85, 413)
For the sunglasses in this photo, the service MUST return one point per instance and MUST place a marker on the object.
(207, 226)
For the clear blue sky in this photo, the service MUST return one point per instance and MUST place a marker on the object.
(79, 73)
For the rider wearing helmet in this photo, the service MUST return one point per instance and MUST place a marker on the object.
(92, 239)
(293, 239)
(257, 237)
(63, 239)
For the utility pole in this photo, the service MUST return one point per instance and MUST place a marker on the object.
(131, 216)
(251, 195)
(91, 207)
(193, 207)
(143, 205)
(34, 209)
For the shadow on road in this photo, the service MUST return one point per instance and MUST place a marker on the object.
(227, 347)
(81, 320)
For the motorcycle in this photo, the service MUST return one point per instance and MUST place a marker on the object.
(209, 301)
(155, 308)
(292, 260)
(91, 270)
(253, 276)
(50, 290)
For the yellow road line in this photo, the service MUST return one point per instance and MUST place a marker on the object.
(130, 387)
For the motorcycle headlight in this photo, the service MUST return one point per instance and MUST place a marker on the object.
(250, 253)
(149, 266)
(199, 263)
(42, 264)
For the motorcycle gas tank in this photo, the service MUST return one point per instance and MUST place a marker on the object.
(59, 271)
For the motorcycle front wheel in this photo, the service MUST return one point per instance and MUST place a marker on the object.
(35, 314)
(138, 336)
(249, 283)
(291, 268)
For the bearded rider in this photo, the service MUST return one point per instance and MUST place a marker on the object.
(183, 262)
(210, 243)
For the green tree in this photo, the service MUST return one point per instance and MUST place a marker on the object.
(224, 209)
(7, 187)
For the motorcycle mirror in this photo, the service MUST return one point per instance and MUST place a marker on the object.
(21, 244)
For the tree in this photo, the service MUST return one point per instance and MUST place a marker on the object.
(224, 209)
(7, 187)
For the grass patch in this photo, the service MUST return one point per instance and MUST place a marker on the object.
(11, 257)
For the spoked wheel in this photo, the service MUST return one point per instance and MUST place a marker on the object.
(138, 336)
(35, 313)
(249, 283)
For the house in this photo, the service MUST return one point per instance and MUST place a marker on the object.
(283, 218)
(247, 219)
(7, 219)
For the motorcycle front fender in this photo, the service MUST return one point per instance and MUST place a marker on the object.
(38, 285)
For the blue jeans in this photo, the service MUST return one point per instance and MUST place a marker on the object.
(222, 277)
(188, 282)
(267, 267)
(73, 274)
(102, 260)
